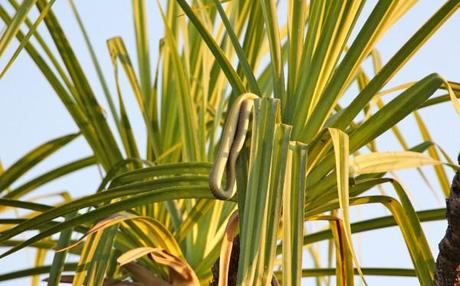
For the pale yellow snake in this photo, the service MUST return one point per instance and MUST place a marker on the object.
(233, 137)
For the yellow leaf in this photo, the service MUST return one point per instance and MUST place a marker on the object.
(382, 162)
(180, 272)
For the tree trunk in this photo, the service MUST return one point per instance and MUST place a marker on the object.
(233, 270)
(448, 262)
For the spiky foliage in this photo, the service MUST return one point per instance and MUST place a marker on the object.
(290, 151)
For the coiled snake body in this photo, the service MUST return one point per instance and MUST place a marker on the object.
(233, 138)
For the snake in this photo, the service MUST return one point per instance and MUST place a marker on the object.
(233, 138)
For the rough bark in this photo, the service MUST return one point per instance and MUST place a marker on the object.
(448, 262)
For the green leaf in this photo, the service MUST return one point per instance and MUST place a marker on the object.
(396, 62)
(84, 94)
(243, 61)
(32, 30)
(293, 213)
(274, 201)
(187, 114)
(224, 63)
(266, 111)
(161, 195)
(347, 68)
(341, 151)
(34, 271)
(32, 158)
(440, 172)
(199, 210)
(95, 199)
(10, 32)
(50, 176)
(58, 265)
(142, 45)
(96, 63)
(384, 119)
(271, 25)
(376, 223)
(402, 272)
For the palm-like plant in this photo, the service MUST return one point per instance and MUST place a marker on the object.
(247, 134)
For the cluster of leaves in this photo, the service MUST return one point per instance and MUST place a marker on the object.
(289, 153)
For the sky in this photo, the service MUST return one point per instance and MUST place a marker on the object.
(30, 114)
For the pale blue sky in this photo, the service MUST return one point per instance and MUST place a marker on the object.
(30, 114)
